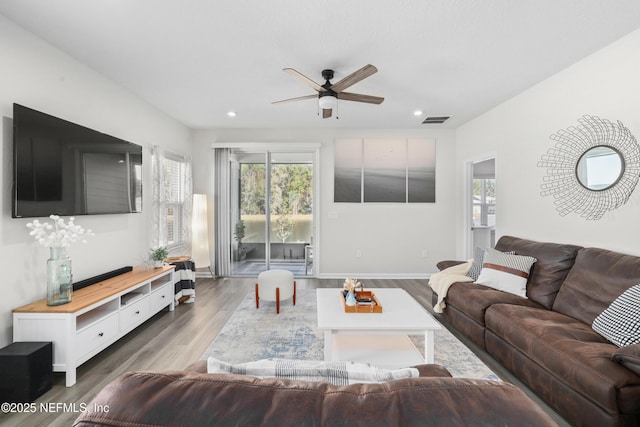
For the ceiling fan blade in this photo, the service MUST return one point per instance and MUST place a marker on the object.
(299, 98)
(348, 96)
(326, 113)
(304, 79)
(354, 78)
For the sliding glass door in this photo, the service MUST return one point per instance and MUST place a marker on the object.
(272, 212)
(248, 206)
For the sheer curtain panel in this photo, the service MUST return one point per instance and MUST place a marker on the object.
(222, 212)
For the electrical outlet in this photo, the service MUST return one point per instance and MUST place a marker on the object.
(358, 253)
(424, 253)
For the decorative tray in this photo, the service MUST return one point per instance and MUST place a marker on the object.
(366, 302)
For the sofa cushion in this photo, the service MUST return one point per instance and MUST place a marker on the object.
(569, 349)
(506, 272)
(338, 373)
(553, 263)
(599, 276)
(473, 299)
(620, 322)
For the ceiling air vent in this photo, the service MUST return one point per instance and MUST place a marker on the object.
(435, 120)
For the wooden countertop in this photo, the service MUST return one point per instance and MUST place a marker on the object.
(97, 292)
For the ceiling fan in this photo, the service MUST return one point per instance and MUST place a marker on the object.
(329, 93)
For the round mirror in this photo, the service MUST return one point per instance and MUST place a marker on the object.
(599, 168)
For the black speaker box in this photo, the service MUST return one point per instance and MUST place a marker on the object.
(26, 369)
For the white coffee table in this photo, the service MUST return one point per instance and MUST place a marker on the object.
(377, 338)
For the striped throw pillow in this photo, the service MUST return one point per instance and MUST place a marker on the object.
(478, 257)
(620, 322)
(506, 272)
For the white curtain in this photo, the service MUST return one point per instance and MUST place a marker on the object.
(187, 206)
(222, 213)
(168, 181)
(159, 197)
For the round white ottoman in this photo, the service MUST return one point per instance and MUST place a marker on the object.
(275, 285)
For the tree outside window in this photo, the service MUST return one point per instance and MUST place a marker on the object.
(291, 200)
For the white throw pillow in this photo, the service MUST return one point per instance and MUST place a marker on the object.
(478, 259)
(620, 322)
(506, 272)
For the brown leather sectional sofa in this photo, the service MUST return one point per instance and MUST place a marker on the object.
(546, 339)
(194, 398)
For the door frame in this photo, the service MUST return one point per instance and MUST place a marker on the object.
(293, 147)
(467, 203)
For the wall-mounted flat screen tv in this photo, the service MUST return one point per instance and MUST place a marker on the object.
(63, 168)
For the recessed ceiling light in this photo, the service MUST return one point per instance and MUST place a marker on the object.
(231, 114)
(417, 113)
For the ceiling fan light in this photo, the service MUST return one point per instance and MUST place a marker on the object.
(328, 102)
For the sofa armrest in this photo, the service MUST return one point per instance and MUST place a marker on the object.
(629, 357)
(442, 265)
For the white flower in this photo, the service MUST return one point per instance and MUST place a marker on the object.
(60, 234)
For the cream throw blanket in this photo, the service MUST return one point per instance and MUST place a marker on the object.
(441, 281)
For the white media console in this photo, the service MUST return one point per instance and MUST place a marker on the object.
(97, 316)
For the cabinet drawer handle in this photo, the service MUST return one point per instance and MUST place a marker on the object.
(138, 312)
(101, 334)
(163, 296)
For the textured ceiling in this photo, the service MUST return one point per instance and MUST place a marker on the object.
(197, 59)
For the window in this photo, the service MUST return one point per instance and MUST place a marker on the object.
(175, 172)
(484, 202)
(171, 199)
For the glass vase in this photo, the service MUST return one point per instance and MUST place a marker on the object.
(59, 284)
(351, 298)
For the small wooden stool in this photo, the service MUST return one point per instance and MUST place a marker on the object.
(275, 285)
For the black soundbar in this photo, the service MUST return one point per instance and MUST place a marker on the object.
(99, 278)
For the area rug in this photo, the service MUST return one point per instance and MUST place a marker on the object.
(253, 334)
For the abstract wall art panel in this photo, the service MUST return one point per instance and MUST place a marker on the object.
(347, 178)
(421, 171)
(385, 171)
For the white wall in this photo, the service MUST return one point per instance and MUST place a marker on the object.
(37, 75)
(605, 84)
(391, 236)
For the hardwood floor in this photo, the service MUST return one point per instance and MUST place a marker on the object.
(172, 340)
